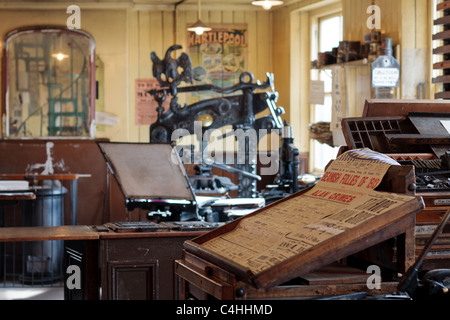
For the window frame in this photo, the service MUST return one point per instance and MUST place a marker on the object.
(316, 17)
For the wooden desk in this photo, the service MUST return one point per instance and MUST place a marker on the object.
(134, 265)
(72, 178)
(13, 196)
(48, 233)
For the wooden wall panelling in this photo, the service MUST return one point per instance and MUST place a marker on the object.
(68, 156)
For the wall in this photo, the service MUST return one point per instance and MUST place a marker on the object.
(407, 22)
(125, 37)
(279, 43)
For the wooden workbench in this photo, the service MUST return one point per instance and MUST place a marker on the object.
(48, 233)
(126, 265)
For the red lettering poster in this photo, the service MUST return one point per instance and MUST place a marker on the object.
(145, 104)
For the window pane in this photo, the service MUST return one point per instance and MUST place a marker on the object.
(328, 37)
(330, 33)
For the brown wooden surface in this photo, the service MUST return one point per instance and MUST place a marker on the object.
(442, 35)
(202, 280)
(335, 273)
(79, 157)
(130, 235)
(443, 5)
(443, 79)
(384, 227)
(48, 233)
(441, 65)
(140, 268)
(442, 20)
(308, 291)
(39, 177)
(81, 233)
(394, 107)
(210, 285)
(418, 139)
(5, 196)
(442, 95)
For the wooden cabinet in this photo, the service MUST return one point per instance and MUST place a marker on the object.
(140, 267)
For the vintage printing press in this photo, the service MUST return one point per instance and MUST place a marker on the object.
(237, 111)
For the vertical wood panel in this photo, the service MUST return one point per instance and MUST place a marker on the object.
(156, 35)
(156, 31)
(250, 19)
(238, 17)
(168, 32)
(227, 17)
(264, 50)
(133, 64)
(214, 17)
(144, 69)
(181, 29)
(125, 38)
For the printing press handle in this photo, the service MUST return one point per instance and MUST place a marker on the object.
(410, 282)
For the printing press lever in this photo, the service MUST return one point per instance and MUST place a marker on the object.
(435, 283)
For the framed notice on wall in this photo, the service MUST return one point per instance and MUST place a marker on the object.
(145, 104)
(219, 56)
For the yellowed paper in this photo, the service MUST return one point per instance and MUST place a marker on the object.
(343, 199)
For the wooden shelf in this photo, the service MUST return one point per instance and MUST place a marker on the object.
(442, 35)
(442, 65)
(356, 63)
(441, 79)
(443, 5)
(442, 50)
(442, 95)
(442, 20)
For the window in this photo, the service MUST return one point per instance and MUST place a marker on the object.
(327, 32)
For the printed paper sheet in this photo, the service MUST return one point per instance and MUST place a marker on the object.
(341, 200)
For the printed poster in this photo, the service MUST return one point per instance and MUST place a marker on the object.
(218, 56)
(145, 104)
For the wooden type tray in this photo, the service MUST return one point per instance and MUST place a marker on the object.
(192, 225)
(395, 222)
(373, 133)
(139, 226)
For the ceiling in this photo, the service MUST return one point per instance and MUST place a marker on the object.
(158, 4)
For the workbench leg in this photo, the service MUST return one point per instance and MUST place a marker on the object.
(84, 255)
(180, 288)
(406, 247)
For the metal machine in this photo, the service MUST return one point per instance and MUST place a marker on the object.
(236, 110)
